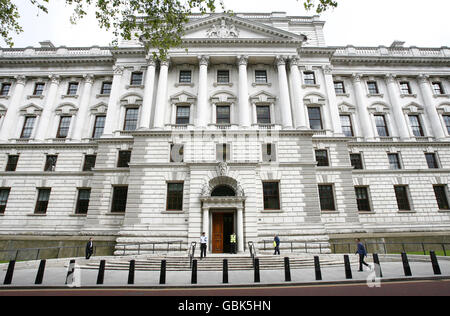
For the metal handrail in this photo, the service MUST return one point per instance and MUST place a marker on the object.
(192, 252)
(141, 245)
(252, 249)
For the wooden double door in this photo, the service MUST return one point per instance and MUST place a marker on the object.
(222, 229)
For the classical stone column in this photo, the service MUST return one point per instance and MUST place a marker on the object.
(205, 226)
(147, 103)
(161, 96)
(45, 122)
(202, 102)
(113, 105)
(430, 109)
(299, 106)
(240, 229)
(397, 110)
(363, 113)
(11, 118)
(332, 100)
(81, 120)
(244, 108)
(285, 101)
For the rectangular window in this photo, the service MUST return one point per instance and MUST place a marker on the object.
(356, 161)
(416, 126)
(394, 161)
(315, 118)
(405, 88)
(183, 115)
(4, 195)
(261, 76)
(372, 86)
(271, 194)
(268, 153)
(73, 88)
(119, 200)
(362, 199)
(223, 114)
(84, 196)
(401, 193)
(106, 88)
(39, 88)
(346, 123)
(6, 87)
(432, 161)
(174, 196)
(64, 125)
(185, 76)
(136, 78)
(50, 162)
(42, 201)
(124, 159)
(263, 114)
(28, 126)
(223, 76)
(322, 158)
(89, 162)
(380, 122)
(326, 197)
(447, 123)
(99, 126)
(131, 119)
(441, 196)
(339, 87)
(176, 153)
(223, 152)
(437, 88)
(12, 162)
(309, 78)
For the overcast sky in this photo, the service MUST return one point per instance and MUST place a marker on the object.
(423, 23)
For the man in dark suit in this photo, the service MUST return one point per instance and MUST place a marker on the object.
(89, 248)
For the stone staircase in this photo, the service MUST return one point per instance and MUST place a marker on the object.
(215, 263)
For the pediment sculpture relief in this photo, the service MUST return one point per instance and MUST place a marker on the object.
(223, 30)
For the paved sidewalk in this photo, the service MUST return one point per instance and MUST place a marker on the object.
(56, 272)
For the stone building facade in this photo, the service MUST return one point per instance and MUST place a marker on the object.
(255, 127)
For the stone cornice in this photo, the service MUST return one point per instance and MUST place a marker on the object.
(62, 145)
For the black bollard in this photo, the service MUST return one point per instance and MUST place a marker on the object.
(348, 269)
(194, 272)
(162, 277)
(406, 266)
(40, 274)
(70, 272)
(257, 277)
(435, 263)
(317, 268)
(287, 270)
(9, 272)
(225, 271)
(377, 266)
(131, 272)
(101, 272)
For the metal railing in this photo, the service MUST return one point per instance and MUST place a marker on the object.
(25, 254)
(298, 245)
(151, 247)
(252, 250)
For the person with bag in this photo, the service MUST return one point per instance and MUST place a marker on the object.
(276, 245)
(89, 248)
(362, 253)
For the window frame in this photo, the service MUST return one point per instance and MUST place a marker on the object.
(50, 163)
(70, 88)
(9, 164)
(361, 162)
(122, 157)
(323, 161)
(2, 89)
(414, 127)
(269, 198)
(372, 87)
(102, 90)
(444, 188)
(309, 78)
(182, 79)
(384, 126)
(220, 76)
(436, 164)
(61, 128)
(439, 86)
(131, 121)
(94, 131)
(28, 129)
(87, 164)
(363, 202)
(182, 120)
(339, 90)
(115, 198)
(80, 201)
(399, 165)
(321, 198)
(311, 108)
(404, 200)
(39, 88)
(4, 202)
(41, 206)
(261, 74)
(137, 78)
(178, 195)
(405, 88)
(344, 130)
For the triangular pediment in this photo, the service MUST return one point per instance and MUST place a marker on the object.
(225, 27)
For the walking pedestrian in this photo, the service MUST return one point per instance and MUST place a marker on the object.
(361, 250)
(89, 248)
(276, 244)
(233, 243)
(203, 245)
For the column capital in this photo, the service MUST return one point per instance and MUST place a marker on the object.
(203, 60)
(165, 63)
(294, 61)
(55, 79)
(118, 70)
(88, 78)
(423, 78)
(327, 69)
(21, 79)
(151, 62)
(356, 77)
(280, 61)
(390, 78)
(242, 60)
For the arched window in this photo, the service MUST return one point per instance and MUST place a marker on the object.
(223, 190)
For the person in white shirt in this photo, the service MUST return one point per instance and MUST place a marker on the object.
(203, 245)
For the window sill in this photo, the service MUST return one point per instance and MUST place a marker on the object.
(406, 212)
(329, 212)
(172, 212)
(366, 212)
(441, 95)
(271, 211)
(443, 211)
(217, 84)
(68, 96)
(370, 95)
(4, 97)
(37, 215)
(254, 84)
(115, 214)
(178, 84)
(78, 215)
(311, 86)
(103, 95)
(408, 95)
(343, 95)
(135, 86)
(35, 97)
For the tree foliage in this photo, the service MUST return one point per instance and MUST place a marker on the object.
(158, 22)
